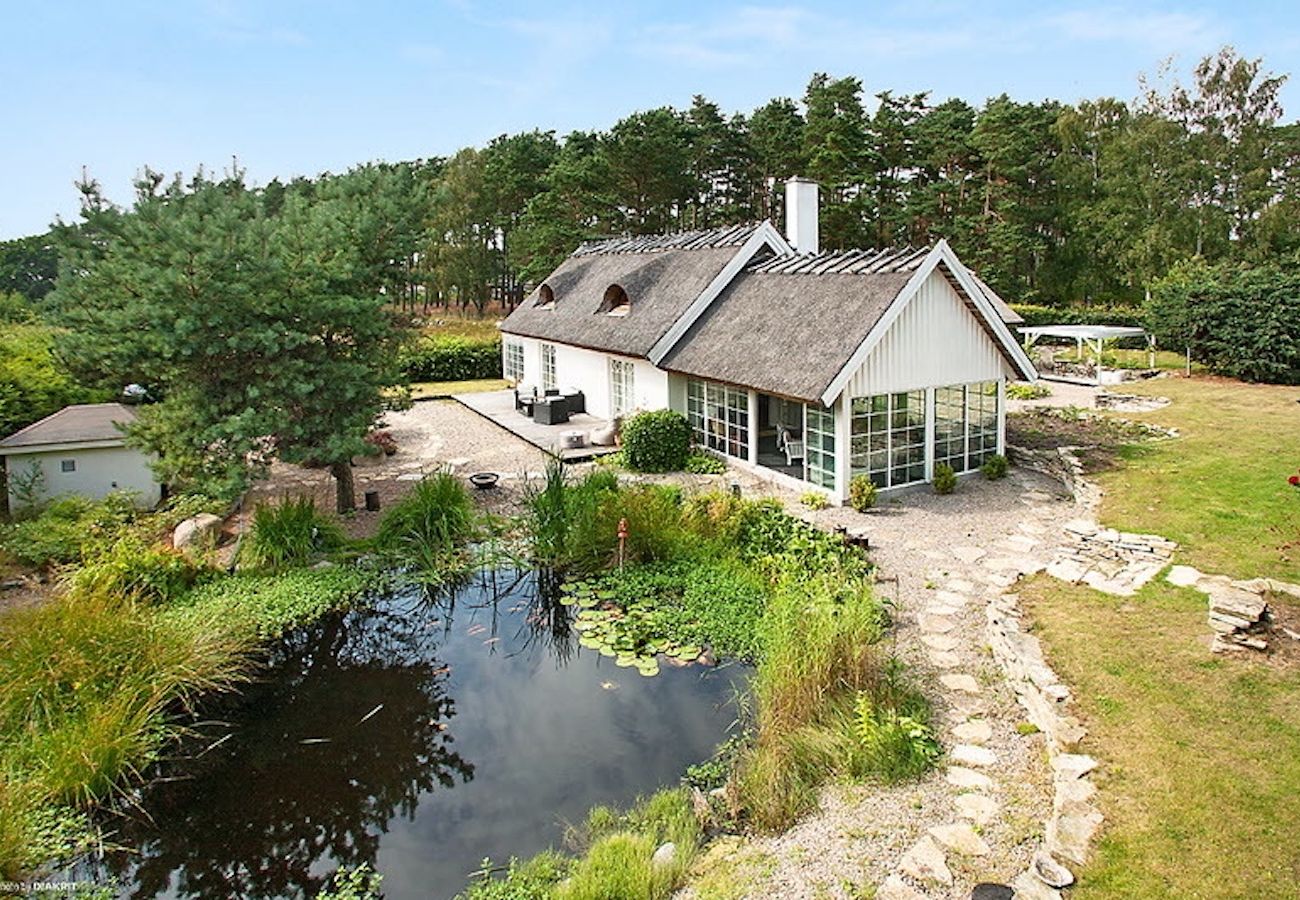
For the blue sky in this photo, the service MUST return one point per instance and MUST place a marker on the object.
(301, 87)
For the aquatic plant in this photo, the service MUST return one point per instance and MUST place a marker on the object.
(426, 529)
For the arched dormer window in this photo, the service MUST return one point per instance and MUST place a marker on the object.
(545, 297)
(616, 302)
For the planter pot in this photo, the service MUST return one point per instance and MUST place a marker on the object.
(484, 480)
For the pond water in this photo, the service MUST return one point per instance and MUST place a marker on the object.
(420, 736)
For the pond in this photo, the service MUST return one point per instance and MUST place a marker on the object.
(419, 735)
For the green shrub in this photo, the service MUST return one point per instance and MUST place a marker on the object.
(286, 534)
(427, 527)
(815, 500)
(68, 529)
(1033, 391)
(895, 746)
(995, 467)
(700, 463)
(353, 883)
(522, 880)
(656, 441)
(450, 358)
(136, 570)
(1130, 316)
(862, 493)
(945, 479)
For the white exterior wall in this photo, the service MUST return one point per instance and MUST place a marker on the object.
(935, 341)
(588, 371)
(100, 471)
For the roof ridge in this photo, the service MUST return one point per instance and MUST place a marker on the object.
(693, 239)
(849, 261)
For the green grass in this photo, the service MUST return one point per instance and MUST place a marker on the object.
(1220, 489)
(428, 390)
(1200, 754)
(452, 325)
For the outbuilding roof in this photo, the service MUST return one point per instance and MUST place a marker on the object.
(81, 423)
(661, 274)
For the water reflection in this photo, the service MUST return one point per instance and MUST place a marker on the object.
(355, 750)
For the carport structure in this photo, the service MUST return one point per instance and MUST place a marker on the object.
(1094, 336)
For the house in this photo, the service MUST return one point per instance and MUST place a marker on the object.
(78, 450)
(811, 367)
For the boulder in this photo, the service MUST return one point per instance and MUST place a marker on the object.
(664, 856)
(197, 532)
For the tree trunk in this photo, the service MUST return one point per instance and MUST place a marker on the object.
(344, 491)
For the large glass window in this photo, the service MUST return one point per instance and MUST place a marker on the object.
(819, 435)
(966, 424)
(719, 417)
(621, 386)
(888, 438)
(548, 367)
(513, 369)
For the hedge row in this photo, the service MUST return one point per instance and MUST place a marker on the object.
(1129, 316)
(451, 358)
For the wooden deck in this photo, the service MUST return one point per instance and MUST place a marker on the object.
(498, 407)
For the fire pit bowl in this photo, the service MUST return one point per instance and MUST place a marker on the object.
(484, 480)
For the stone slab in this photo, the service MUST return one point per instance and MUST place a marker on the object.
(973, 755)
(968, 779)
(964, 683)
(961, 839)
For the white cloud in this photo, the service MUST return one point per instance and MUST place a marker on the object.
(1162, 32)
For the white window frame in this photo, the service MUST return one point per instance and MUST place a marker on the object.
(719, 417)
(893, 432)
(513, 367)
(549, 379)
(622, 386)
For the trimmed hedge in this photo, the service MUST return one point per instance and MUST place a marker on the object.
(450, 358)
(656, 441)
(1128, 316)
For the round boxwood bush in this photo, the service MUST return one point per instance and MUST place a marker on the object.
(995, 467)
(945, 479)
(862, 493)
(656, 441)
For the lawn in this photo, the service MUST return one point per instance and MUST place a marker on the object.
(475, 329)
(1220, 489)
(432, 390)
(1201, 754)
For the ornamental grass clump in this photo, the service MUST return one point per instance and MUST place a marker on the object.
(290, 533)
(427, 527)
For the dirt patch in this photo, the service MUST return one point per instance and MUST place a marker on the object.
(1096, 439)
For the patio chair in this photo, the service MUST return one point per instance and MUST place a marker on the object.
(551, 411)
(790, 445)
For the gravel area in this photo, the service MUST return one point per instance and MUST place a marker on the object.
(430, 435)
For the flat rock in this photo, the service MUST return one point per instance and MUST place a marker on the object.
(1069, 766)
(960, 838)
(1183, 576)
(942, 610)
(926, 862)
(944, 659)
(935, 624)
(1069, 836)
(973, 755)
(943, 642)
(951, 598)
(895, 888)
(1028, 887)
(960, 585)
(968, 779)
(976, 731)
(1067, 568)
(410, 476)
(979, 808)
(964, 683)
(1050, 872)
(969, 706)
(968, 554)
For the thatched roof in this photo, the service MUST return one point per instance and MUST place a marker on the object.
(662, 275)
(81, 423)
(785, 334)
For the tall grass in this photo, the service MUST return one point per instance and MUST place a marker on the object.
(289, 533)
(133, 569)
(426, 528)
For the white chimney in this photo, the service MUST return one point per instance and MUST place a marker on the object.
(801, 199)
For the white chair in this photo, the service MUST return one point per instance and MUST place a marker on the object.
(793, 448)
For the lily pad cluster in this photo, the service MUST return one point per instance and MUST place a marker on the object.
(631, 634)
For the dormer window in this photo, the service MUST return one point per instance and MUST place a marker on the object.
(615, 302)
(545, 297)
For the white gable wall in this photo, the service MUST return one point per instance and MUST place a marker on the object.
(935, 341)
(97, 472)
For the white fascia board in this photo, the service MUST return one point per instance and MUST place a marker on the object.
(1000, 329)
(764, 234)
(882, 325)
(65, 447)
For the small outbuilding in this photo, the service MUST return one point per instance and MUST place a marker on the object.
(79, 450)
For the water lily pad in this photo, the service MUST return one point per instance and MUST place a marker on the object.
(567, 600)
(589, 642)
(648, 668)
(606, 650)
(690, 651)
(625, 661)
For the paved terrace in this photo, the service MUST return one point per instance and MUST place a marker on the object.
(498, 407)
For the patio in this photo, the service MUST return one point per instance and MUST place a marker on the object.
(498, 407)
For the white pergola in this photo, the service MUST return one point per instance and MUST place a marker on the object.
(1094, 336)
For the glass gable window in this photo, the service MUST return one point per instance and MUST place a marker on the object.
(548, 367)
(719, 417)
(966, 424)
(820, 446)
(888, 438)
(514, 362)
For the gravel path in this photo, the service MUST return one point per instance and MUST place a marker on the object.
(979, 816)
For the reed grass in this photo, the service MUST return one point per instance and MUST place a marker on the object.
(426, 528)
(290, 533)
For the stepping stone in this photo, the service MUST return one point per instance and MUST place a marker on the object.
(968, 779)
(1028, 887)
(935, 624)
(951, 598)
(942, 610)
(1021, 542)
(1183, 576)
(895, 888)
(1037, 497)
(944, 659)
(943, 642)
(410, 476)
(964, 683)
(969, 707)
(926, 862)
(1031, 528)
(973, 755)
(960, 838)
(968, 554)
(976, 731)
(961, 585)
(979, 808)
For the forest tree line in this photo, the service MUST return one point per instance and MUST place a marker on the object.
(1053, 203)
